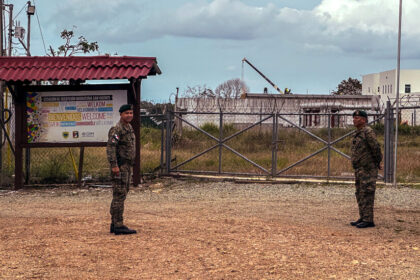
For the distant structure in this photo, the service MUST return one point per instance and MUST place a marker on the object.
(310, 106)
(383, 85)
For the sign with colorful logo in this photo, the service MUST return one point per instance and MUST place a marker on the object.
(81, 116)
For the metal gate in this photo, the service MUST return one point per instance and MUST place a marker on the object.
(220, 143)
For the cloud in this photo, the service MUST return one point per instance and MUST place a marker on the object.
(355, 26)
(376, 16)
(97, 19)
(362, 26)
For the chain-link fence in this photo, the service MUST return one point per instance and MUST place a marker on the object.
(61, 165)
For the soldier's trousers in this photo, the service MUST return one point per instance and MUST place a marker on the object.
(120, 188)
(365, 192)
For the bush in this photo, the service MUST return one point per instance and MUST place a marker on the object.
(228, 129)
(379, 128)
(405, 129)
(53, 171)
(210, 128)
(150, 137)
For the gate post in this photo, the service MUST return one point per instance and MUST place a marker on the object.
(274, 151)
(329, 146)
(168, 144)
(162, 145)
(389, 144)
(220, 140)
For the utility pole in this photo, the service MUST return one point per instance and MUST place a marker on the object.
(28, 38)
(397, 95)
(10, 28)
(30, 12)
(1, 27)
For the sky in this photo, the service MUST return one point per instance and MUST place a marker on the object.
(309, 46)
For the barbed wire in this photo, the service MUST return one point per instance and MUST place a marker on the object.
(268, 105)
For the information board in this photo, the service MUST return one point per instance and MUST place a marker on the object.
(79, 116)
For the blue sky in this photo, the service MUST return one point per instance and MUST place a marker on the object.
(306, 45)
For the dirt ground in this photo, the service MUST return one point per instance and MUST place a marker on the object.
(209, 230)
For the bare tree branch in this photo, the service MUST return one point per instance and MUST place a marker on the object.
(70, 48)
(231, 89)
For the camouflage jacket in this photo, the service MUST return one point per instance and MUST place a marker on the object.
(365, 149)
(121, 147)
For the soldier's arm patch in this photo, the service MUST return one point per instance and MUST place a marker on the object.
(115, 138)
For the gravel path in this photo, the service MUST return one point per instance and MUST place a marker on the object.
(191, 229)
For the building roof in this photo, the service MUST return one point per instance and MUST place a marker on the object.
(43, 68)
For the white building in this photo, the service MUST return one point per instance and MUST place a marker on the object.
(383, 84)
(309, 106)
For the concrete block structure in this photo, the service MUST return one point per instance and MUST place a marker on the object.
(383, 85)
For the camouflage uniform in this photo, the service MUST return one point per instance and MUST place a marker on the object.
(366, 157)
(121, 152)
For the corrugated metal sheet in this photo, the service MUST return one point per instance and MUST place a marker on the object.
(39, 68)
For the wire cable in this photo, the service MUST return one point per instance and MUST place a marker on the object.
(20, 11)
(40, 29)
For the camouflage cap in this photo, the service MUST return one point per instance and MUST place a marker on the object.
(125, 107)
(360, 113)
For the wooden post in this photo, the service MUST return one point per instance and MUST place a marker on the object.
(135, 85)
(20, 129)
(80, 173)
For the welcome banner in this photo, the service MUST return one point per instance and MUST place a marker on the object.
(82, 116)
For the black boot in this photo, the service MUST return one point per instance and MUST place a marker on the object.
(123, 230)
(365, 224)
(356, 222)
(111, 228)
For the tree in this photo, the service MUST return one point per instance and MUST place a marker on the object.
(70, 48)
(199, 91)
(231, 89)
(349, 87)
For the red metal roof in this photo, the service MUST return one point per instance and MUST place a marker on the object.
(42, 68)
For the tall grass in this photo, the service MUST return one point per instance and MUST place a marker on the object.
(292, 145)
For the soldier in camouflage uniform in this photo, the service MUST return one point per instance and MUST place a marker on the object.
(366, 159)
(121, 152)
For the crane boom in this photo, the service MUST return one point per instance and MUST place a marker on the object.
(262, 75)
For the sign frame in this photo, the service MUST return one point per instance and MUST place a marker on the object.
(72, 88)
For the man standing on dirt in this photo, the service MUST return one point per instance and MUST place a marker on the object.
(366, 159)
(121, 151)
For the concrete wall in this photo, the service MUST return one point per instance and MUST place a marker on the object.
(281, 104)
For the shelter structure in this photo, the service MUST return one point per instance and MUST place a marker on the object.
(61, 82)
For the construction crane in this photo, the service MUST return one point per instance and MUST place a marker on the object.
(286, 91)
